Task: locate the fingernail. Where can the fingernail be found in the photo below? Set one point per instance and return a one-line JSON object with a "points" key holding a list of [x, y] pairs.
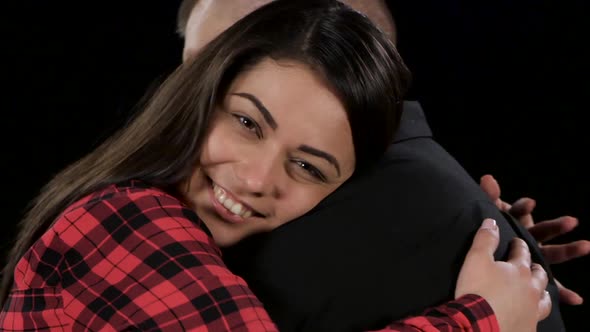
{"points": [[489, 224]]}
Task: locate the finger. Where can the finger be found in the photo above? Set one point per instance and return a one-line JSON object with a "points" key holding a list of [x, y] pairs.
{"points": [[490, 186], [540, 279], [568, 296], [505, 207], [486, 239], [544, 306], [519, 253], [526, 221], [550, 229], [559, 253], [522, 207]]}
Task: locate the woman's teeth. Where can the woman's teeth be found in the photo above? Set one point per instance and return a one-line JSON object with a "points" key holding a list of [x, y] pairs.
{"points": [[232, 206]]}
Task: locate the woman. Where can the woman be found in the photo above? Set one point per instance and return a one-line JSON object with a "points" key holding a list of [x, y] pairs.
{"points": [[269, 119]]}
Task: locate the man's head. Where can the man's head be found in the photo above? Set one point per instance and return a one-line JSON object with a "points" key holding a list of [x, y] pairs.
{"points": [[200, 21]]}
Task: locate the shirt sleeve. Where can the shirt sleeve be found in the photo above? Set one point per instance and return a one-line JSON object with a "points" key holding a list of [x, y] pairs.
{"points": [[467, 313], [148, 263]]}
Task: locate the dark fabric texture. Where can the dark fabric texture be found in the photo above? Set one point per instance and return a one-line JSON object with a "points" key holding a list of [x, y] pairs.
{"points": [[385, 245]]}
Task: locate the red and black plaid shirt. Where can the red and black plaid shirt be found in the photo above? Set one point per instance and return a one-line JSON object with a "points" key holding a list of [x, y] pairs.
{"points": [[132, 257]]}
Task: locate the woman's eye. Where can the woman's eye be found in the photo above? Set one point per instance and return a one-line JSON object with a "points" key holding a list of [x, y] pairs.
{"points": [[312, 170], [249, 124]]}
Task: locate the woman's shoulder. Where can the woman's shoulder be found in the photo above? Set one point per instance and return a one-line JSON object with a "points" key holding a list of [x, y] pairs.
{"points": [[132, 190], [130, 209]]}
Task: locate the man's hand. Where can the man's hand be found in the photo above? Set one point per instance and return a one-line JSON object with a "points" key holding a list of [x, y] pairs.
{"points": [[542, 231]]}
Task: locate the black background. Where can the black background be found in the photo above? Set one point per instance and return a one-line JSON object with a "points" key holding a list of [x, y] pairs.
{"points": [[504, 85]]}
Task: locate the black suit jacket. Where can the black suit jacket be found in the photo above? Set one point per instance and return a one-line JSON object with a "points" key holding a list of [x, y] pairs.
{"points": [[385, 245]]}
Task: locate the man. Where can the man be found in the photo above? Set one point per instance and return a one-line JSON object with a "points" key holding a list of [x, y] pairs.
{"points": [[385, 245]]}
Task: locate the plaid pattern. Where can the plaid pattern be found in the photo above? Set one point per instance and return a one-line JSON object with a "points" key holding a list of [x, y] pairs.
{"points": [[467, 313], [132, 257]]}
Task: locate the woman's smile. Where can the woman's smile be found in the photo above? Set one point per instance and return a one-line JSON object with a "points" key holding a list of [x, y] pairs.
{"points": [[228, 206]]}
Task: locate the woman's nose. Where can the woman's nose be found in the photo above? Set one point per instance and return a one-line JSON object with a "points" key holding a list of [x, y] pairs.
{"points": [[260, 176]]}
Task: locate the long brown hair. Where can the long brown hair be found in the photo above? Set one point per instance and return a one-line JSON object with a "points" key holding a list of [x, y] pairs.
{"points": [[161, 144]]}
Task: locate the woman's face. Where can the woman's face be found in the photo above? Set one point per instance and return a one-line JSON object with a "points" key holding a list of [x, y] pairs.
{"points": [[277, 146]]}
